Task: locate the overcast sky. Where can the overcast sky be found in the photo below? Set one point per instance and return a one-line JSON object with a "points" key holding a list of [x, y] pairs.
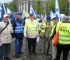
{"points": [[6, 1]]}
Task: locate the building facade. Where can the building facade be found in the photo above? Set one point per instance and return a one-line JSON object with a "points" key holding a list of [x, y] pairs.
{"points": [[25, 4]]}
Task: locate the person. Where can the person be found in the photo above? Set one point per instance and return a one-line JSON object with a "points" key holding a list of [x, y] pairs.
{"points": [[63, 28], [43, 28], [18, 27], [5, 37], [53, 31], [31, 33], [42, 33]]}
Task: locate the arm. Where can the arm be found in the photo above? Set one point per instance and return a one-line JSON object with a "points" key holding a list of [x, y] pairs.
{"points": [[23, 23], [37, 29], [25, 28], [1, 26]]}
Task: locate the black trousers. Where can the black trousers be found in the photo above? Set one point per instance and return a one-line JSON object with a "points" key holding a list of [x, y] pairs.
{"points": [[31, 44], [62, 48], [6, 48]]}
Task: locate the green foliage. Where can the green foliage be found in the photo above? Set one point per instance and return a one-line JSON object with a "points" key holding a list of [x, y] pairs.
{"points": [[63, 5], [13, 5], [37, 6]]}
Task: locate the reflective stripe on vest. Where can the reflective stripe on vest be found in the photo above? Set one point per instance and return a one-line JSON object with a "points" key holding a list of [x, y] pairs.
{"points": [[52, 30], [19, 27], [64, 33]]}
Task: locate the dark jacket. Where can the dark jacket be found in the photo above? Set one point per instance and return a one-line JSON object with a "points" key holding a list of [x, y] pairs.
{"points": [[14, 24]]}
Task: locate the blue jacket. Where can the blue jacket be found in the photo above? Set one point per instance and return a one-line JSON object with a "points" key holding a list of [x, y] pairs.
{"points": [[18, 28]]}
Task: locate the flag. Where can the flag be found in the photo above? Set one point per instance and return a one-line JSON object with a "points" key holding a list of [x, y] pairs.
{"points": [[57, 12], [2, 11], [4, 8], [32, 11], [8, 11], [23, 14], [41, 16], [52, 15], [45, 16]]}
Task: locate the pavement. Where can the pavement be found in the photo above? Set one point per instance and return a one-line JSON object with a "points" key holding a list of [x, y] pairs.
{"points": [[25, 56], [38, 56]]}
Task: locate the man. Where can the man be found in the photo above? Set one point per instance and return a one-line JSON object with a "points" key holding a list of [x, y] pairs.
{"points": [[42, 32], [53, 31], [43, 28], [64, 39], [31, 33], [18, 27], [5, 37]]}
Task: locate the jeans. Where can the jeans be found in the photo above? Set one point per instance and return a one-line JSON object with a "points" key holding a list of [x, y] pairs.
{"points": [[18, 45]]}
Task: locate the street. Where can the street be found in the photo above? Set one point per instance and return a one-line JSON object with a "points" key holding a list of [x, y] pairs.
{"points": [[26, 56], [38, 56]]}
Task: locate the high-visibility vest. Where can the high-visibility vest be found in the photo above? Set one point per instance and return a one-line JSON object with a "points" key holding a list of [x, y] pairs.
{"points": [[51, 23], [31, 27], [43, 25], [64, 33], [52, 30], [43, 28], [19, 27]]}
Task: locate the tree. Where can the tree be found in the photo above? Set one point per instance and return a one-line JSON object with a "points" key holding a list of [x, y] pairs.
{"points": [[63, 5], [13, 5], [38, 6], [50, 5]]}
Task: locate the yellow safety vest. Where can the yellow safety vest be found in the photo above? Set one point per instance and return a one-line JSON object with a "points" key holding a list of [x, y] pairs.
{"points": [[43, 28], [31, 27], [52, 30], [51, 23], [43, 25], [64, 33]]}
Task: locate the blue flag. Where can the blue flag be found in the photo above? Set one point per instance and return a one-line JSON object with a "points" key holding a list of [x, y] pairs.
{"points": [[57, 12], [2, 11], [52, 15], [32, 11]]}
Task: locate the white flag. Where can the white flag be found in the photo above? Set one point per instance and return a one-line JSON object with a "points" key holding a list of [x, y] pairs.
{"points": [[57, 10]]}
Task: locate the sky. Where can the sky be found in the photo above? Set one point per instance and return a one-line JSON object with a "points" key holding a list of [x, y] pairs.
{"points": [[6, 1]]}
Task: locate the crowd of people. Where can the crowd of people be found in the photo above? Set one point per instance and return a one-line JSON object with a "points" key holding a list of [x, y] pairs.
{"points": [[28, 28]]}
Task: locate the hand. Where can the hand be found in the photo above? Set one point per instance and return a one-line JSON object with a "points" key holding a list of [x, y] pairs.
{"points": [[25, 37]]}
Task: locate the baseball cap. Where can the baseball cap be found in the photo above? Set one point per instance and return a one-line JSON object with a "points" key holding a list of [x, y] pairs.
{"points": [[6, 15], [31, 14]]}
